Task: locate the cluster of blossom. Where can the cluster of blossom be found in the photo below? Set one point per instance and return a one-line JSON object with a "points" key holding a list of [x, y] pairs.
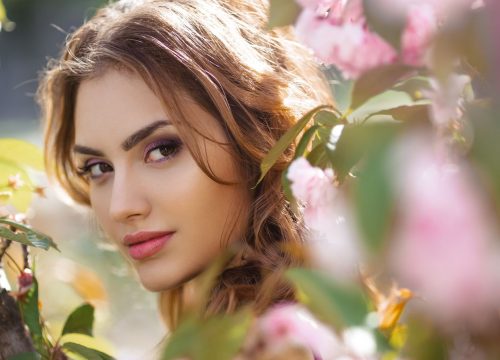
{"points": [[290, 331], [443, 244], [338, 32]]}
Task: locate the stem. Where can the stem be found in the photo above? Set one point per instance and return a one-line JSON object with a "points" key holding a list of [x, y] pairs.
{"points": [[14, 261], [26, 259], [4, 248]]}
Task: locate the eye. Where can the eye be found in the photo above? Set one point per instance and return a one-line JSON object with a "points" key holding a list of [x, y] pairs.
{"points": [[162, 150], [94, 170]]}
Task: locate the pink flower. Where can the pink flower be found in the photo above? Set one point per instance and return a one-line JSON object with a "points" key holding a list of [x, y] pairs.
{"points": [[293, 325], [314, 188], [336, 12], [418, 34], [350, 47], [334, 244], [444, 249], [333, 239]]}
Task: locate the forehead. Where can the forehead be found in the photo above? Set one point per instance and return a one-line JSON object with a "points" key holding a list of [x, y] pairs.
{"points": [[119, 102]]}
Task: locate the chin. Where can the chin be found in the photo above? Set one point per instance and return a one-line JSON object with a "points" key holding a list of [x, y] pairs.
{"points": [[156, 285]]}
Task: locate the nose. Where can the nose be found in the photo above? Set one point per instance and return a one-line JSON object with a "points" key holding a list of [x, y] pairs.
{"points": [[128, 198]]}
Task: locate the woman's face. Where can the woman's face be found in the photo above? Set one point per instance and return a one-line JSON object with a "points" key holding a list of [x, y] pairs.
{"points": [[149, 195]]}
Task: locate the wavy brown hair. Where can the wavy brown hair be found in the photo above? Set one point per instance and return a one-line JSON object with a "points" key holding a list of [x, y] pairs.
{"points": [[255, 82]]}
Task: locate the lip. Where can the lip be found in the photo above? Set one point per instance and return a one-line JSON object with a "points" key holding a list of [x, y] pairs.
{"points": [[144, 244]]}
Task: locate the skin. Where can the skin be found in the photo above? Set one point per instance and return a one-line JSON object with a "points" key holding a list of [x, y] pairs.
{"points": [[156, 185]]}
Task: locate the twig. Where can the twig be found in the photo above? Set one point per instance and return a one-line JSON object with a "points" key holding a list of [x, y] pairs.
{"points": [[5, 246], [14, 261]]}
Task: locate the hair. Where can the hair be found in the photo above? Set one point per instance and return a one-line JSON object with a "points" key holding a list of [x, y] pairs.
{"points": [[255, 82]]}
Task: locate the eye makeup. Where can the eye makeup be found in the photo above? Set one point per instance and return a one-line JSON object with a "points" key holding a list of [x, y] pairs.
{"points": [[156, 152], [162, 150]]}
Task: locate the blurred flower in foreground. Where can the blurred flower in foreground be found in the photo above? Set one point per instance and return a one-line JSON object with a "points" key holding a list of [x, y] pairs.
{"points": [[417, 37], [292, 325], [339, 34], [290, 331], [83, 280], [313, 187], [351, 47], [444, 248], [447, 99], [333, 239]]}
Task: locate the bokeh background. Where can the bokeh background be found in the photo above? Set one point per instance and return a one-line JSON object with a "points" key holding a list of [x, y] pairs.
{"points": [[88, 267]]}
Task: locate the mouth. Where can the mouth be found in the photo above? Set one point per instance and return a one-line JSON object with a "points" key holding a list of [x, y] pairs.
{"points": [[144, 244]]}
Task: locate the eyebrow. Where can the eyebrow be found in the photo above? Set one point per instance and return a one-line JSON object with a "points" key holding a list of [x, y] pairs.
{"points": [[129, 142], [143, 133]]}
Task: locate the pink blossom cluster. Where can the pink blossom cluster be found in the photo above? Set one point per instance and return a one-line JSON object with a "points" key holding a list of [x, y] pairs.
{"points": [[313, 187], [333, 239], [337, 32], [292, 326], [444, 248]]}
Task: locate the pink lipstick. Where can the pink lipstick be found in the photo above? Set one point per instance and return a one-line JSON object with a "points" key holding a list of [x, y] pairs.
{"points": [[144, 244]]}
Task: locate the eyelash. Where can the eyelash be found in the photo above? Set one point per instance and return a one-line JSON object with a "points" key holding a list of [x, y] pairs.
{"points": [[173, 146]]}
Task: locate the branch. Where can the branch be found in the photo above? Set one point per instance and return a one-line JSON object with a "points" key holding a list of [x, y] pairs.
{"points": [[14, 338]]}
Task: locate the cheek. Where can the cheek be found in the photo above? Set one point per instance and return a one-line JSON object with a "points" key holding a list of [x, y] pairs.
{"points": [[207, 210], [99, 203]]}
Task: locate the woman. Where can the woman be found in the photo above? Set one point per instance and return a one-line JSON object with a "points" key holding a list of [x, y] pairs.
{"points": [[158, 115]]}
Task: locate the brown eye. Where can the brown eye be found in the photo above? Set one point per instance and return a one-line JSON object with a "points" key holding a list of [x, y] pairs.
{"points": [[162, 151], [95, 170]]}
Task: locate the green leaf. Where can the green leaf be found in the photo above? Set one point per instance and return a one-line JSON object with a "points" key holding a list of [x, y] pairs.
{"points": [[424, 340], [31, 316], [414, 86], [182, 340], [387, 100], [349, 149], [25, 356], [286, 140], [373, 191], [86, 352], [29, 236], [376, 81], [366, 147], [318, 156], [218, 337], [415, 113], [287, 187], [3, 13], [17, 237], [327, 119], [305, 140], [21, 153], [486, 147], [337, 304], [80, 321], [282, 13]]}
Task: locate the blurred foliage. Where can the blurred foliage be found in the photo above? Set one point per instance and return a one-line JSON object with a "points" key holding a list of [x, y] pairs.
{"points": [[357, 141], [17, 159], [381, 107]]}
